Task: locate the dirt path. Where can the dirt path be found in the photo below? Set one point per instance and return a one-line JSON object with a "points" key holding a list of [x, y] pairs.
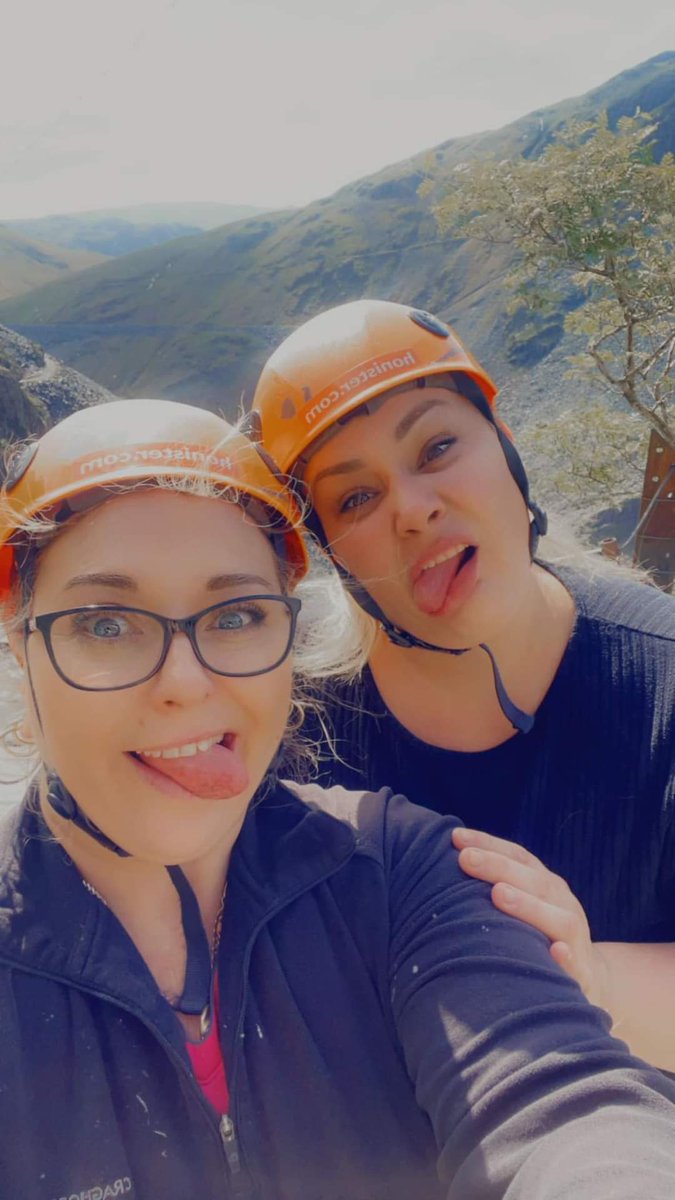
{"points": [[43, 374]]}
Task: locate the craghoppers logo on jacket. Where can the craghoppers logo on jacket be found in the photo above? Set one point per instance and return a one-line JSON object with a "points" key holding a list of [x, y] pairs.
{"points": [[102, 1191]]}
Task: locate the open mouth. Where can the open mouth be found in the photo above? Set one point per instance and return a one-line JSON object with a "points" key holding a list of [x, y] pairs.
{"points": [[440, 576], [211, 768], [185, 749], [466, 557], [460, 555]]}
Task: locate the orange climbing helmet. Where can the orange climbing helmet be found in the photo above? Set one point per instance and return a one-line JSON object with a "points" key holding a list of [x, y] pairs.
{"points": [[342, 359], [124, 442], [346, 356]]}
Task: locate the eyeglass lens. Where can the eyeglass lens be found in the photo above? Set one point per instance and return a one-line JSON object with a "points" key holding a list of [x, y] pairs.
{"points": [[108, 648]]}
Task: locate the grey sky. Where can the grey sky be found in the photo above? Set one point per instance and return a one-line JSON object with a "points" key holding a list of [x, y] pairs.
{"points": [[276, 102]]}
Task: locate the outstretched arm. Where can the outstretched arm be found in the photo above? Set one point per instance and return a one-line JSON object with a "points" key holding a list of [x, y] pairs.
{"points": [[634, 982], [527, 1094]]}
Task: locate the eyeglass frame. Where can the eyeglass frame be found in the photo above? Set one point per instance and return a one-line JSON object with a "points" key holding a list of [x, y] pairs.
{"points": [[170, 625]]}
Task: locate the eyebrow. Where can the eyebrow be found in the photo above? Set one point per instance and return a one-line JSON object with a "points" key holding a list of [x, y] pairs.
{"points": [[404, 426], [102, 579], [406, 423], [218, 582], [125, 583]]}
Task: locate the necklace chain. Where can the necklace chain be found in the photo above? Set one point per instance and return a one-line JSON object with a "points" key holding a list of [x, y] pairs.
{"points": [[90, 888], [205, 1015]]}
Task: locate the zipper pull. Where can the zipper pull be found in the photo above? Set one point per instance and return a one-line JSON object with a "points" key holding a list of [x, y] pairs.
{"points": [[229, 1139]]}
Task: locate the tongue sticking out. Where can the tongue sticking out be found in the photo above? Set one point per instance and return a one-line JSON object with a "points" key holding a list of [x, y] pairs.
{"points": [[432, 586], [214, 774]]}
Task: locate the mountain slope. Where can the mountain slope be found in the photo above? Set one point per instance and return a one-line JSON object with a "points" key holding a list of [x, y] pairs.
{"points": [[36, 389], [26, 263], [195, 318], [117, 231]]}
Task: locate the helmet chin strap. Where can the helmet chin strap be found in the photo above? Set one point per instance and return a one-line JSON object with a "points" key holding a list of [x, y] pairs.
{"points": [[461, 382], [196, 994], [519, 719], [195, 997]]}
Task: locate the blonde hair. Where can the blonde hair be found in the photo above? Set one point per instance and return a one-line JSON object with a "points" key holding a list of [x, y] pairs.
{"points": [[328, 640], [335, 636]]}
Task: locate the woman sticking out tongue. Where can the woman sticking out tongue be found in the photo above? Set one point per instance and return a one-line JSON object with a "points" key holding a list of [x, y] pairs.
{"points": [[536, 703], [213, 983]]}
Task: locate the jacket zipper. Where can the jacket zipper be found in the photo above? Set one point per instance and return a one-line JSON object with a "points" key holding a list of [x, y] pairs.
{"points": [[224, 1131], [228, 1138]]}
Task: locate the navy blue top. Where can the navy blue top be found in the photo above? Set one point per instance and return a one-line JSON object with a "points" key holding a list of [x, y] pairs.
{"points": [[591, 790], [387, 1034]]}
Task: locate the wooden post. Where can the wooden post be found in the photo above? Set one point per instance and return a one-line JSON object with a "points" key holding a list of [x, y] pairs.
{"points": [[655, 534]]}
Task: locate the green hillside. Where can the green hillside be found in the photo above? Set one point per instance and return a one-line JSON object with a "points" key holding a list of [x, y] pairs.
{"points": [[26, 263], [116, 231], [195, 318]]}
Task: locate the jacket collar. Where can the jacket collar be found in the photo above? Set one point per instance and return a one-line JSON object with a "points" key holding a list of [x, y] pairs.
{"points": [[52, 925]]}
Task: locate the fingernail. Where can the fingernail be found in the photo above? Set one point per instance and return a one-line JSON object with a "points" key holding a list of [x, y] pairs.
{"points": [[508, 896]]}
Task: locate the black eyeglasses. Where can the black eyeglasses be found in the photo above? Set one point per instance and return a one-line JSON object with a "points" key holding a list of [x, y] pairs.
{"points": [[108, 647]]}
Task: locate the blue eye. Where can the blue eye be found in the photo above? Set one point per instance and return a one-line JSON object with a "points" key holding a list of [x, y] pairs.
{"points": [[356, 500], [437, 448], [104, 627], [107, 629], [233, 619]]}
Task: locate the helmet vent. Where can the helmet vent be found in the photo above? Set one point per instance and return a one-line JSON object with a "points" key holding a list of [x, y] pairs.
{"points": [[19, 464], [428, 321]]}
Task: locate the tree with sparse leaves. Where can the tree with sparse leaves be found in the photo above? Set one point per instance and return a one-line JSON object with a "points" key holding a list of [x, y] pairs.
{"points": [[590, 456], [592, 225]]}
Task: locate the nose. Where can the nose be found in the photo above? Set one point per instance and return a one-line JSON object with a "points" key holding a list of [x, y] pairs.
{"points": [[182, 680], [416, 504]]}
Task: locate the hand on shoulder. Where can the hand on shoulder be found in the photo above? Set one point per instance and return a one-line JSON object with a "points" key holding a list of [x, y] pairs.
{"points": [[526, 889]]}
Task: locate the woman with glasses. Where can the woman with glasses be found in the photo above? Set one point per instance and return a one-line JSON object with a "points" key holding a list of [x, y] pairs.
{"points": [[214, 984], [535, 702]]}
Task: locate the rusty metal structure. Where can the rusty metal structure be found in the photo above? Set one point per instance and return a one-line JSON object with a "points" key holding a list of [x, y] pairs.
{"points": [[655, 532]]}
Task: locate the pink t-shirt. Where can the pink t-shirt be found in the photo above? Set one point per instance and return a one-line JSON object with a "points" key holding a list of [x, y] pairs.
{"points": [[208, 1066]]}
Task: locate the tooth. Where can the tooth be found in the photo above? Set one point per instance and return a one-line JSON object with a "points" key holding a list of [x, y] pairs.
{"points": [[186, 751], [441, 558]]}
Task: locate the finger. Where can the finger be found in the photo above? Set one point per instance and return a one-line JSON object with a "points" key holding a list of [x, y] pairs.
{"points": [[462, 838], [557, 924], [496, 868], [562, 954]]}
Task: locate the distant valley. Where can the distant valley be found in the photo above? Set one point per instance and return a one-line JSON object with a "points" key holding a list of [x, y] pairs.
{"points": [[116, 231], [194, 318], [26, 263]]}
